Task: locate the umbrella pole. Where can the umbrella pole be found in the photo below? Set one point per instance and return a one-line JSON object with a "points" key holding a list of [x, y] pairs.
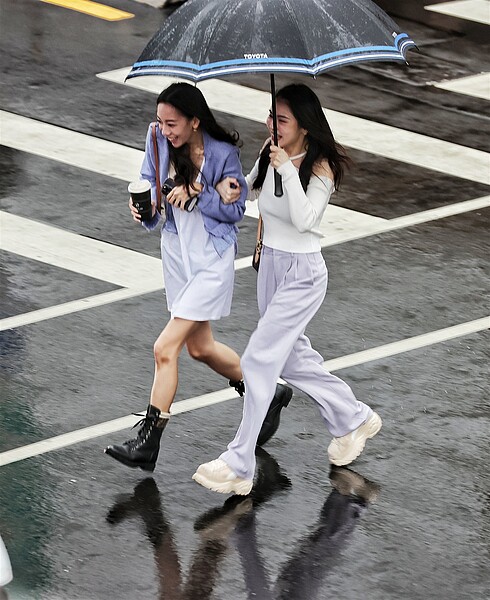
{"points": [[277, 178]]}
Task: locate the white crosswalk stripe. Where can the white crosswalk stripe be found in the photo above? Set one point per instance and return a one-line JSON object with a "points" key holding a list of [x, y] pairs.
{"points": [[477, 86], [471, 10]]}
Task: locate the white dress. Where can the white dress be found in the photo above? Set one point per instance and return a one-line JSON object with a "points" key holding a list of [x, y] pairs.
{"points": [[198, 282]]}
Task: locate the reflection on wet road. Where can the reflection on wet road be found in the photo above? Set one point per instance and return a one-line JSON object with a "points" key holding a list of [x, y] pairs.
{"points": [[234, 525]]}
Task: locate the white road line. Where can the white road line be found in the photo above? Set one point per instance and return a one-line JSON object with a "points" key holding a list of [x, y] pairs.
{"points": [[477, 86], [425, 216], [471, 10], [343, 362], [70, 147], [152, 267], [434, 214], [409, 344], [67, 250], [68, 308], [361, 134]]}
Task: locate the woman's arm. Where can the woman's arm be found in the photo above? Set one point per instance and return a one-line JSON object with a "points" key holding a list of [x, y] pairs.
{"points": [[231, 194], [229, 188], [211, 204], [306, 208]]}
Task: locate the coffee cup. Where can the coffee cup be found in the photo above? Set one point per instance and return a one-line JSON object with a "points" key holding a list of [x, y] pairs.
{"points": [[141, 197]]}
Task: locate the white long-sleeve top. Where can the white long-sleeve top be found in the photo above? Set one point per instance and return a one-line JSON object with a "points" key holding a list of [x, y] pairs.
{"points": [[291, 221]]}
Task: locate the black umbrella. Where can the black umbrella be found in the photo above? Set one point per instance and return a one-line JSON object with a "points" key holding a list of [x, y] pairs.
{"points": [[213, 38]]}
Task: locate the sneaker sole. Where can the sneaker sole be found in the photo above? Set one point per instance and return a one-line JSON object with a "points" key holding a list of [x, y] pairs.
{"points": [[242, 488], [369, 430]]}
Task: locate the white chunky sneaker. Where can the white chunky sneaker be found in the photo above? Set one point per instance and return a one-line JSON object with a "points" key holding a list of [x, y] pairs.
{"points": [[218, 477], [343, 450]]}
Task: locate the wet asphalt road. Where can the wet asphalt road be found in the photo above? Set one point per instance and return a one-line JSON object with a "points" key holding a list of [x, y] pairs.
{"points": [[79, 526]]}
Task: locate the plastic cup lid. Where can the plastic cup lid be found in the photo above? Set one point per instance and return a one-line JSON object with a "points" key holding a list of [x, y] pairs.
{"points": [[136, 187]]}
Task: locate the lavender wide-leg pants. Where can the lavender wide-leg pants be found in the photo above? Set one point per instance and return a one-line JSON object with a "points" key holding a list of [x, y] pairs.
{"points": [[290, 290]]}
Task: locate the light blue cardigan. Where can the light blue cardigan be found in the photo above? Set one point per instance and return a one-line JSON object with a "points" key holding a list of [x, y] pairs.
{"points": [[222, 160]]}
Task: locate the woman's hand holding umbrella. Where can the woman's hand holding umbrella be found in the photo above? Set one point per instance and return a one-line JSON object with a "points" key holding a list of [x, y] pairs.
{"points": [[278, 156]]}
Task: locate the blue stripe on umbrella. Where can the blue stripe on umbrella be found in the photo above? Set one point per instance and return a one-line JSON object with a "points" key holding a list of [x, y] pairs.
{"points": [[176, 72], [286, 61], [263, 61], [197, 73]]}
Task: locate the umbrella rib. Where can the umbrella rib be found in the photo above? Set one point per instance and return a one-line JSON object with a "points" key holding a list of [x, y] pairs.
{"points": [[291, 9]]}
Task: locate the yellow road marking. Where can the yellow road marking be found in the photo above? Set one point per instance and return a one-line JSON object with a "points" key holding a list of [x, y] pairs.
{"points": [[93, 8]]}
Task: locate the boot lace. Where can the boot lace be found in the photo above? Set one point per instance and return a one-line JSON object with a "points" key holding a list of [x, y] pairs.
{"points": [[145, 424]]}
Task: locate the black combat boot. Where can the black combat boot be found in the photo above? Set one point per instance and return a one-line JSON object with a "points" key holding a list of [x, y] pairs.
{"points": [[142, 452], [271, 422]]}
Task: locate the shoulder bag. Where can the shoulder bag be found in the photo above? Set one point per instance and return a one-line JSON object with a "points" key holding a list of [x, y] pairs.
{"points": [[157, 166]]}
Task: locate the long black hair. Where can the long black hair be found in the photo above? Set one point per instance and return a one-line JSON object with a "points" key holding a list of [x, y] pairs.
{"points": [[189, 100], [320, 143]]}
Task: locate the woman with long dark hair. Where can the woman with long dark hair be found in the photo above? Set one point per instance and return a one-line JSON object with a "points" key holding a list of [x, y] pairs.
{"points": [[291, 286], [198, 251]]}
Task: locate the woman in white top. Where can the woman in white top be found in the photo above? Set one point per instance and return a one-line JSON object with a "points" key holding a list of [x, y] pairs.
{"points": [[291, 286]]}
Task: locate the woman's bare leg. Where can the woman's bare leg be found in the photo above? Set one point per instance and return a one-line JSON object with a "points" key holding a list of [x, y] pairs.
{"points": [[203, 347], [166, 350], [143, 451]]}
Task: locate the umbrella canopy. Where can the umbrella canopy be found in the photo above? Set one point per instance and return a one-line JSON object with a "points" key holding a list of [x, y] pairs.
{"points": [[214, 38]]}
